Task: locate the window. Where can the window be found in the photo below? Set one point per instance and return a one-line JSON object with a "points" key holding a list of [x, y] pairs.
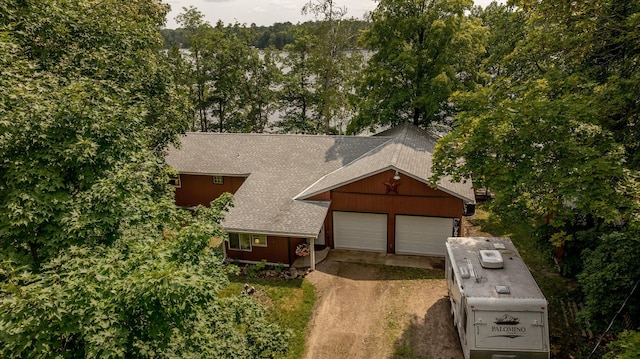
{"points": [[245, 241], [218, 180], [240, 242], [259, 240], [175, 181]]}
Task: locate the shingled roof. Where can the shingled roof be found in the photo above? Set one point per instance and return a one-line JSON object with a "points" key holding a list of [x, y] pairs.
{"points": [[283, 170], [408, 151]]}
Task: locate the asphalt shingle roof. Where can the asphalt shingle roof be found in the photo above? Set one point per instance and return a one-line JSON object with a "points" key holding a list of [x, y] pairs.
{"points": [[282, 170], [409, 151]]}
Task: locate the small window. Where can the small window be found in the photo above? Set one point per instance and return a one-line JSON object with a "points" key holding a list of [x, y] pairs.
{"points": [[175, 181], [218, 180], [259, 240], [240, 242]]}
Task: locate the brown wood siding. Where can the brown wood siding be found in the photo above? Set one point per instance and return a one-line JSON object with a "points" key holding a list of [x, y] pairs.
{"points": [[413, 198], [278, 250], [320, 197], [200, 189]]}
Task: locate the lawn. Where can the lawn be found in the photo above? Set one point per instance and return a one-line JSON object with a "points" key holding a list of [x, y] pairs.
{"points": [[567, 340], [289, 303]]}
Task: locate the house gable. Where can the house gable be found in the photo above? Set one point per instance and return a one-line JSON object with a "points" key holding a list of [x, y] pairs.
{"points": [[201, 189], [373, 195]]}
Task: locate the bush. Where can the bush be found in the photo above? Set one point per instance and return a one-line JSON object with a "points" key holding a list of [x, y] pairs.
{"points": [[610, 272], [626, 347]]}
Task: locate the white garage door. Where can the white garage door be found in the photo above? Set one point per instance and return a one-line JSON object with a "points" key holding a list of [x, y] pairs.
{"points": [[362, 231], [422, 235]]}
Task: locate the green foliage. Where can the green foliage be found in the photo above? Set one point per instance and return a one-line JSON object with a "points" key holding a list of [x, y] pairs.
{"points": [[322, 63], [296, 96], [534, 134], [149, 294], [545, 155], [232, 84], [610, 272], [423, 51], [96, 260], [626, 347], [288, 303], [257, 97], [275, 36], [81, 122], [553, 133]]}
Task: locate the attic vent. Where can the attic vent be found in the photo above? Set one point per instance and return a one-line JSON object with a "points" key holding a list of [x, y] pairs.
{"points": [[491, 258]]}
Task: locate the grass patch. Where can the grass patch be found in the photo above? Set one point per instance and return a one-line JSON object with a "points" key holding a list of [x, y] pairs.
{"points": [[406, 351], [289, 304], [566, 340], [406, 273]]}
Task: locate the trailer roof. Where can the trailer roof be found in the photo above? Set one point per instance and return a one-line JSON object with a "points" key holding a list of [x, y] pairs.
{"points": [[464, 252]]}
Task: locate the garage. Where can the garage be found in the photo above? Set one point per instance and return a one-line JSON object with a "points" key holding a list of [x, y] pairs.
{"points": [[361, 231], [422, 235]]}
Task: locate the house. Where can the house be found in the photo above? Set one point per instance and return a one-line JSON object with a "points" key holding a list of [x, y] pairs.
{"points": [[349, 192]]}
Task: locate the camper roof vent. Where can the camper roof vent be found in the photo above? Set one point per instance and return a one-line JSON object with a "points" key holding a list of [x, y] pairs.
{"points": [[491, 258], [464, 272], [503, 289], [498, 245]]}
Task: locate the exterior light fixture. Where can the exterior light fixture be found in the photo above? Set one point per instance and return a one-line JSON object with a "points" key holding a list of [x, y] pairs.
{"points": [[396, 177]]}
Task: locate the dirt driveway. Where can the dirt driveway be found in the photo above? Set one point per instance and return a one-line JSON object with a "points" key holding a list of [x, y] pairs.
{"points": [[374, 311]]}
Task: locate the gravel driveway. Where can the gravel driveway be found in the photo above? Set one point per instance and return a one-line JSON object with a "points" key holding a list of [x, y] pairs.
{"points": [[375, 311]]}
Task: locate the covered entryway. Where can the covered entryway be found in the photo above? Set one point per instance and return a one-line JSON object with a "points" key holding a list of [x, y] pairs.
{"points": [[422, 235], [361, 231]]}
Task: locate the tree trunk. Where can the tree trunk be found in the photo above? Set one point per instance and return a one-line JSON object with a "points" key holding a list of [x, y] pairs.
{"points": [[221, 116], [33, 249], [416, 116]]}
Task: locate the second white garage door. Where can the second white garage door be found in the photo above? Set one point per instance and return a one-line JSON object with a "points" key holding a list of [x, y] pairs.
{"points": [[362, 231], [422, 235]]}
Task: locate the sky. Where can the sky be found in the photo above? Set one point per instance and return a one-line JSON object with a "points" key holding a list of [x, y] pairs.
{"points": [[264, 12]]}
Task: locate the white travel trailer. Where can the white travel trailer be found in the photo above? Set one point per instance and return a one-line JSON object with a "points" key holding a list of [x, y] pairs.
{"points": [[497, 306]]}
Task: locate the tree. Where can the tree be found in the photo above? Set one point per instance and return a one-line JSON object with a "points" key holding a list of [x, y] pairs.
{"points": [[233, 84], [334, 66], [258, 95], [81, 121], [610, 272], [196, 68], [505, 28], [626, 347], [535, 133], [541, 133], [96, 261], [152, 293], [423, 51], [297, 98]]}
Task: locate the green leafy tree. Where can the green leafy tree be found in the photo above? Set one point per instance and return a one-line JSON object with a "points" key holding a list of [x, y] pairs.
{"points": [[535, 133], [237, 104], [82, 122], [423, 51], [505, 28], [153, 293], [545, 133], [195, 66], [258, 96], [334, 64], [233, 85], [610, 272], [297, 98], [626, 347], [96, 261]]}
